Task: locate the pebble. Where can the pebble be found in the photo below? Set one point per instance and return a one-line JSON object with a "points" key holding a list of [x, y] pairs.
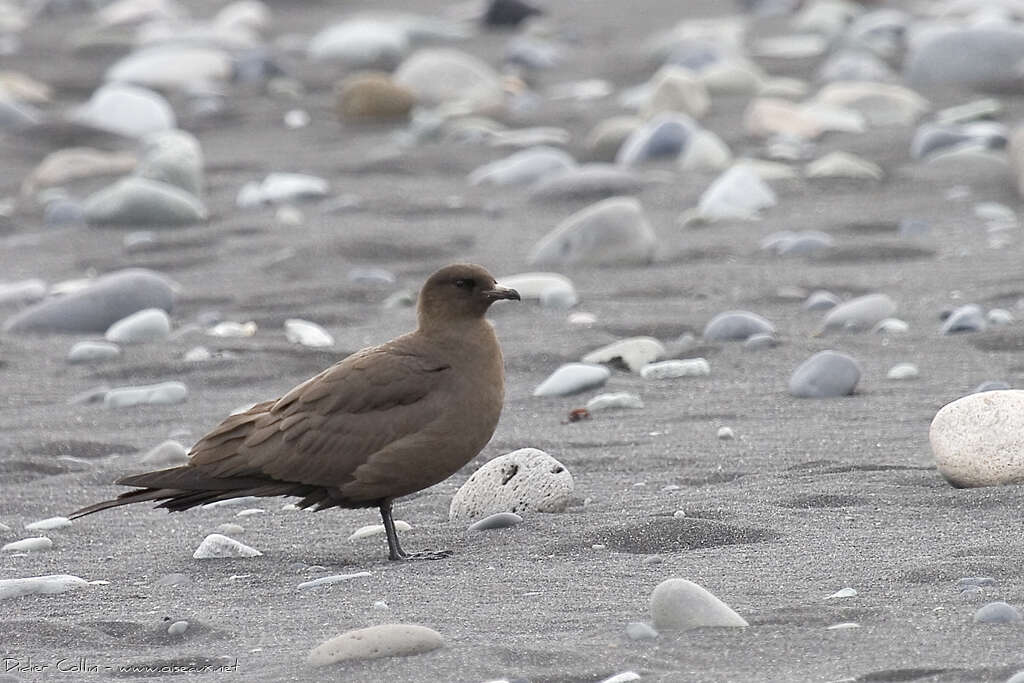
{"points": [[98, 305], [361, 43], [307, 333], [541, 285], [371, 276], [843, 165], [92, 352], [22, 292], [587, 181], [991, 385], [614, 401], [374, 642], [635, 352], [825, 374], [891, 326], [165, 393], [572, 378], [526, 480], [663, 137], [282, 188], [329, 580], [736, 326], [861, 313], [705, 151], [672, 369], [969, 318], [843, 593], [28, 545], [605, 140], [975, 439], [166, 454], [134, 201], [611, 231], [903, 371], [167, 580], [127, 110], [821, 300], [450, 77], [249, 512], [760, 341], [804, 243], [624, 677], [216, 546], [147, 325], [522, 168], [725, 434], [638, 630], [499, 520], [177, 628], [40, 585], [738, 194], [980, 57], [678, 605], [173, 157], [230, 529], [999, 317], [997, 613], [377, 530], [172, 67], [49, 524], [373, 97]]}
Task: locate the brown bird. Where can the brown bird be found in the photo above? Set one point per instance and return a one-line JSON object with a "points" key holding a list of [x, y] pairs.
{"points": [[385, 422]]}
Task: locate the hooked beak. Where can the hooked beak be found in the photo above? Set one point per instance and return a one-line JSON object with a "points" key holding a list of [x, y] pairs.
{"points": [[499, 292]]}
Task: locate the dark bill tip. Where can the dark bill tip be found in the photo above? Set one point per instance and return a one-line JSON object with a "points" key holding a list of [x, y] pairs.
{"points": [[499, 292]]}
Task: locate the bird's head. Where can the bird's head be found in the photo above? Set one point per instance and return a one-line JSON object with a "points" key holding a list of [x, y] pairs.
{"points": [[459, 292]]}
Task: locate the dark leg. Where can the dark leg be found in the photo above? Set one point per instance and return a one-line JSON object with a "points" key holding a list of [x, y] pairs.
{"points": [[395, 551]]}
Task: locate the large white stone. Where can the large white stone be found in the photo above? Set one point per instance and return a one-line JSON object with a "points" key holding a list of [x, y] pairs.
{"points": [[218, 546], [978, 440], [173, 67], [738, 194], [136, 202], [47, 585], [173, 157], [611, 231], [678, 605], [526, 480], [635, 352], [385, 640], [361, 42], [572, 378], [522, 168], [127, 110], [147, 325]]}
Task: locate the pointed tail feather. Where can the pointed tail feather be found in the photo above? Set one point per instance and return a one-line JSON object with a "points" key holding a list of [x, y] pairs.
{"points": [[124, 499]]}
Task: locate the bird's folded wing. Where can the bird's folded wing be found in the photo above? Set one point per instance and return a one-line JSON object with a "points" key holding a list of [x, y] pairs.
{"points": [[325, 428]]}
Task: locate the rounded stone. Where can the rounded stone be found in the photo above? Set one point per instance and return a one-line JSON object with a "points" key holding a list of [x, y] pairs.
{"points": [[374, 642], [997, 613], [166, 454], [373, 97], [736, 326], [147, 325], [587, 181], [821, 300], [903, 371], [165, 393], [635, 352], [978, 440], [572, 378], [738, 194], [173, 67], [679, 605], [969, 318], [614, 401], [861, 313], [612, 231], [526, 480], [218, 546], [760, 342], [445, 75], [361, 43], [981, 57], [127, 110], [499, 520], [673, 369], [638, 630], [135, 201], [523, 168], [607, 137], [97, 306], [173, 157], [675, 88], [663, 137], [93, 352], [826, 374]]}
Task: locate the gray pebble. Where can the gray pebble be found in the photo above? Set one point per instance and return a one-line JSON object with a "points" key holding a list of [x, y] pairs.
{"points": [[969, 318], [499, 520], [135, 201], [983, 57], [997, 613], [861, 313], [760, 342], [523, 168], [736, 326], [805, 243], [663, 137], [165, 393], [638, 630], [97, 306], [92, 352], [610, 231], [821, 301], [588, 181], [825, 374]]}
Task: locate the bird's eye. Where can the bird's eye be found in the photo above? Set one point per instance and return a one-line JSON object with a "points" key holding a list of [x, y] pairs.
{"points": [[465, 283]]}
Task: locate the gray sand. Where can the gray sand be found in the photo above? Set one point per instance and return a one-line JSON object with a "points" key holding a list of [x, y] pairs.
{"points": [[811, 496]]}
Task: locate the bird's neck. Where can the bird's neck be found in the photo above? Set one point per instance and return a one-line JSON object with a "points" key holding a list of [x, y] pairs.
{"points": [[456, 335]]}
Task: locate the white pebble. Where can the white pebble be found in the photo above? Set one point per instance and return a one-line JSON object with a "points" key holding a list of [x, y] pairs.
{"points": [[336, 578], [248, 512], [307, 333], [843, 593], [177, 628], [49, 523], [623, 677], [231, 328], [36, 543], [46, 585], [296, 118], [903, 371], [148, 325], [671, 369], [217, 546], [620, 399], [377, 530], [166, 393], [725, 433]]}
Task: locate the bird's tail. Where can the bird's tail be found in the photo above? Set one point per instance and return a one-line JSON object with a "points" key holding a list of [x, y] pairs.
{"points": [[181, 488]]}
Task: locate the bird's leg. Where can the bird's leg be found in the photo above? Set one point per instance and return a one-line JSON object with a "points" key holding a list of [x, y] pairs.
{"points": [[395, 551]]}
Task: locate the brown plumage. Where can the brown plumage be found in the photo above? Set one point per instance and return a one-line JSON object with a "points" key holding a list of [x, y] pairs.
{"points": [[383, 423]]}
